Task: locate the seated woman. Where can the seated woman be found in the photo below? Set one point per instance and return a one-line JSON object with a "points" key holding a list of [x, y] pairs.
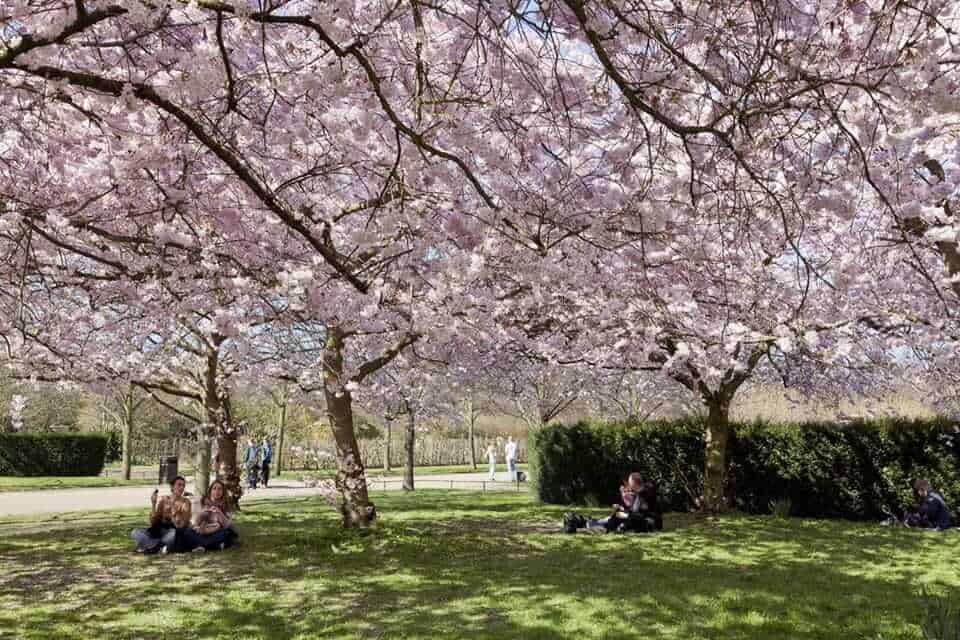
{"points": [[168, 515], [931, 511], [213, 529], [638, 510]]}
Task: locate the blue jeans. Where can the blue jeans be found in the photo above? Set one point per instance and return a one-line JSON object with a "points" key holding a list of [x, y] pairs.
{"points": [[190, 539], [153, 538]]}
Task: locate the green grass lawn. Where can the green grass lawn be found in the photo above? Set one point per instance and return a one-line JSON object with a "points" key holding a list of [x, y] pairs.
{"points": [[8, 483], [474, 565]]}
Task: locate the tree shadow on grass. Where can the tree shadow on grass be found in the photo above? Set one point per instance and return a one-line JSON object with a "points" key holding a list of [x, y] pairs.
{"points": [[425, 573]]}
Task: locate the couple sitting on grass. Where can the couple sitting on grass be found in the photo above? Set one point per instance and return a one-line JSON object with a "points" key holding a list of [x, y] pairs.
{"points": [[638, 510], [175, 528]]}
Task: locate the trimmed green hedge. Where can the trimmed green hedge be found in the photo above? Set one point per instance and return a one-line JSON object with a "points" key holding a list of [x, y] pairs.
{"points": [[52, 454], [823, 469]]}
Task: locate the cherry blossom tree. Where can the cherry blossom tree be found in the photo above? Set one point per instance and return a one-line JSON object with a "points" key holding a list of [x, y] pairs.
{"points": [[637, 395], [645, 185], [741, 158], [533, 391], [184, 364], [300, 163]]}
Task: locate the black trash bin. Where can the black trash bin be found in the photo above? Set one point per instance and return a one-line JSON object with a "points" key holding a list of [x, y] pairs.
{"points": [[168, 469]]}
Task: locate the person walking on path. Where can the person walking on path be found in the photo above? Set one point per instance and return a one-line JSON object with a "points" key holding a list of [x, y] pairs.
{"points": [[265, 460], [250, 460], [492, 459], [511, 452]]}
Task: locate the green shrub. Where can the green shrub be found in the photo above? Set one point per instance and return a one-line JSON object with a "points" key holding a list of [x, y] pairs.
{"points": [[819, 469], [52, 454], [584, 463], [781, 509]]}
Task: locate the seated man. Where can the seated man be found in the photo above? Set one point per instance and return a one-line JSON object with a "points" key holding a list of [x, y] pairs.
{"points": [[931, 511], [638, 510]]}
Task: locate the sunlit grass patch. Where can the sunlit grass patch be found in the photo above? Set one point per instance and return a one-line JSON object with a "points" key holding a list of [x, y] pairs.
{"points": [[471, 564]]}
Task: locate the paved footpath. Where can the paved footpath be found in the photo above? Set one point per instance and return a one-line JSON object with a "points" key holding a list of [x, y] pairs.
{"points": [[15, 503]]}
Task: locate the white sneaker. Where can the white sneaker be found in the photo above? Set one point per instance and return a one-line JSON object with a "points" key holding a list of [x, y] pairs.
{"points": [[199, 550]]}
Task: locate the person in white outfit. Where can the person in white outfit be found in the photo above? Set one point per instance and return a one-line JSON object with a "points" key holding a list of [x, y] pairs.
{"points": [[511, 452], [492, 459]]}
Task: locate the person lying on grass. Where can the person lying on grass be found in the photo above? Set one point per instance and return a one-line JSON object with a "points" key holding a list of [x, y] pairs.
{"points": [[931, 511], [638, 510]]}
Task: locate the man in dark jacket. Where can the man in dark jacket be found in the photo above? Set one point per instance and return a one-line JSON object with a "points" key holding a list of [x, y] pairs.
{"points": [[251, 460], [644, 514], [932, 511], [638, 510], [265, 460]]}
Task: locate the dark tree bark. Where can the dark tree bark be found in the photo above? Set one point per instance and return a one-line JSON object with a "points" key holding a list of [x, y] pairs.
{"points": [[219, 423], [471, 424], [282, 403], [387, 425], [128, 414], [356, 508], [715, 471], [409, 435]]}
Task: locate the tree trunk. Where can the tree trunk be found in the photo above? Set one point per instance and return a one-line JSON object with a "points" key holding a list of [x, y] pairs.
{"points": [[355, 504], [280, 429], [718, 432], [125, 450], [219, 423], [471, 422], [387, 423], [408, 442], [201, 475], [228, 469], [126, 431]]}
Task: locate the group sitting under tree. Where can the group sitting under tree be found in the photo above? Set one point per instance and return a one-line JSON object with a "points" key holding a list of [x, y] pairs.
{"points": [[176, 528], [638, 510]]}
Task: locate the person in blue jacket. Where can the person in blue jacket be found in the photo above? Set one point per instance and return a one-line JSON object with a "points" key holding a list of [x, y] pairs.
{"points": [[251, 460], [932, 511], [265, 459]]}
